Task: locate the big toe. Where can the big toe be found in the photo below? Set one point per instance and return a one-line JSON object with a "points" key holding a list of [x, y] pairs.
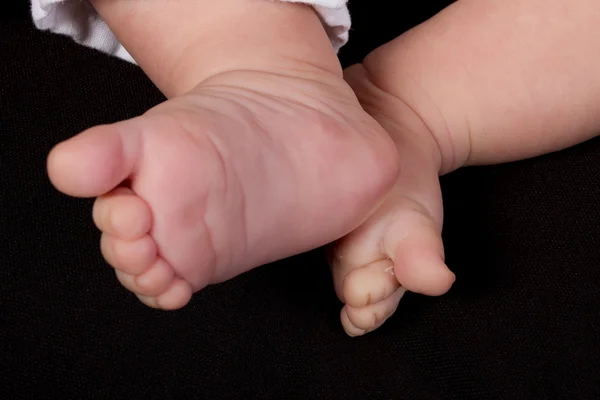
{"points": [[95, 161], [415, 244]]}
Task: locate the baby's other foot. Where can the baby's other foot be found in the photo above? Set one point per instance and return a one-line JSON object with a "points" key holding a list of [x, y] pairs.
{"points": [[399, 248], [247, 168]]}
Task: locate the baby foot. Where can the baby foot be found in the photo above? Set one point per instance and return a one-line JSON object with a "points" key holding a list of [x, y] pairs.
{"points": [[399, 248], [247, 168]]}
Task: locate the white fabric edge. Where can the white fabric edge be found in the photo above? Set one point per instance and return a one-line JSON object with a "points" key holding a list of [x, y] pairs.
{"points": [[78, 20]]}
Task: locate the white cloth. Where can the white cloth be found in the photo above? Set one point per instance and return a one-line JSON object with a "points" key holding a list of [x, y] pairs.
{"points": [[79, 20]]}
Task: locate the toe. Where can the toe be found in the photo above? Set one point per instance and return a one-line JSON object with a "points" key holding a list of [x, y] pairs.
{"points": [[370, 284], [95, 161], [414, 242], [176, 296], [132, 257], [349, 327], [353, 259], [156, 280], [122, 214], [358, 321], [127, 280], [153, 282]]}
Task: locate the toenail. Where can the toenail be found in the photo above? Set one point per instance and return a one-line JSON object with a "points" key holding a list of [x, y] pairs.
{"points": [[390, 270]]}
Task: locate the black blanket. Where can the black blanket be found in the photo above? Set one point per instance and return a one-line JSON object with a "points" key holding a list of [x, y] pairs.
{"points": [[522, 322]]}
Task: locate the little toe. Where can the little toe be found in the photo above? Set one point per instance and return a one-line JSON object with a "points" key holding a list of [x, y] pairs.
{"points": [[123, 214], [176, 296], [130, 256], [148, 300], [127, 280], [359, 321], [370, 284]]}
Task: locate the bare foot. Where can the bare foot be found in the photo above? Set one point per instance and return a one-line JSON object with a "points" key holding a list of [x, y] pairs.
{"points": [[247, 168], [398, 248]]}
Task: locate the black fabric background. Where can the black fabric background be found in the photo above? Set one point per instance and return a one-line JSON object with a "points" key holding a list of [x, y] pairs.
{"points": [[522, 321]]}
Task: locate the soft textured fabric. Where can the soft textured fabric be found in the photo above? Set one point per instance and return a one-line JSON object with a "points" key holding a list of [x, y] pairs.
{"points": [[79, 20], [521, 323]]}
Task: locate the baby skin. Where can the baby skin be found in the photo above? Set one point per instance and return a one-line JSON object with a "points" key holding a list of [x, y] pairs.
{"points": [[263, 151], [482, 82]]}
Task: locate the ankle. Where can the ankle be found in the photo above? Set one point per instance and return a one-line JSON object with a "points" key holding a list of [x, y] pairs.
{"points": [[181, 45], [412, 104], [400, 116], [282, 38]]}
